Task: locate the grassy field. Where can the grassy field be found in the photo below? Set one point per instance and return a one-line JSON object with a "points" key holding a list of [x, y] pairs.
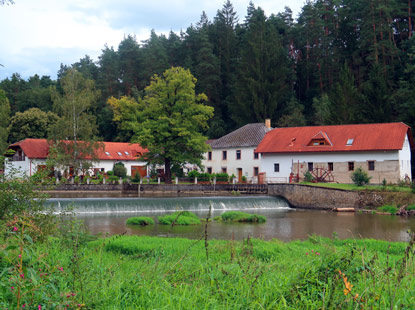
{"points": [[130, 272]]}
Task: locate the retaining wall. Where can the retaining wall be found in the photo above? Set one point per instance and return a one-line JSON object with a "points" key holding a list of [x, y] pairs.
{"points": [[311, 197]]}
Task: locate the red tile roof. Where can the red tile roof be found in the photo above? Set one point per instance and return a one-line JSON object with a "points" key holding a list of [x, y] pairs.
{"points": [[39, 148], [366, 137]]}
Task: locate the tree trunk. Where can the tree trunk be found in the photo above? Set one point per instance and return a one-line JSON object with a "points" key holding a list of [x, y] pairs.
{"points": [[167, 171]]}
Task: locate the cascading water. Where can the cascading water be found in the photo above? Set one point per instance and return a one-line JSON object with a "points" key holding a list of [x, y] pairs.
{"points": [[134, 205]]}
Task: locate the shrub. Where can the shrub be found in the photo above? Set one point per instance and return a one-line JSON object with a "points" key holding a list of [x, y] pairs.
{"points": [[360, 177], [204, 177], [179, 218], [222, 177], [142, 220], [119, 170], [308, 177], [136, 178], [388, 209], [410, 207], [238, 216]]}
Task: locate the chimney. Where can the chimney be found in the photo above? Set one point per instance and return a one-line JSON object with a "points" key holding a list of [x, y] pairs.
{"points": [[268, 123]]}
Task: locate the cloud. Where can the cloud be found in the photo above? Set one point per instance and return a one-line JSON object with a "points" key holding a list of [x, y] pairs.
{"points": [[39, 35]]}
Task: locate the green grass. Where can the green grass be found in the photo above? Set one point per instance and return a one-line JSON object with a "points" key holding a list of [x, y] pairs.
{"points": [[239, 216], [142, 220], [180, 218], [131, 272], [353, 187], [388, 209]]}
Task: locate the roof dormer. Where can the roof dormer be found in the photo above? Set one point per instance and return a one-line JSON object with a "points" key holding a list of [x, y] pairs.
{"points": [[320, 139]]}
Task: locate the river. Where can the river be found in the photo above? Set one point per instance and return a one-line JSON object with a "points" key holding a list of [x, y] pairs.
{"points": [[107, 216]]}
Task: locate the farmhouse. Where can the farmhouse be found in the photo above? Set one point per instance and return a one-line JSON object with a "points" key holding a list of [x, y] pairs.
{"points": [[332, 153], [30, 155], [234, 152]]}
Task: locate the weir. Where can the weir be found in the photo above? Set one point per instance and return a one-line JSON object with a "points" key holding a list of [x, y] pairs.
{"points": [[134, 205]]}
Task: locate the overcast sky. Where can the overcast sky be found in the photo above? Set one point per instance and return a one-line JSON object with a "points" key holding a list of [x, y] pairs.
{"points": [[37, 36]]}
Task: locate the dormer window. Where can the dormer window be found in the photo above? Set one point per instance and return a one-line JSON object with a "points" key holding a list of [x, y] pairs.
{"points": [[349, 142], [320, 139]]}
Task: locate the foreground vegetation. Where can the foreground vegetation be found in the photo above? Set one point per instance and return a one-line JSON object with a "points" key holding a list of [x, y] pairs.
{"points": [[42, 267], [130, 272]]}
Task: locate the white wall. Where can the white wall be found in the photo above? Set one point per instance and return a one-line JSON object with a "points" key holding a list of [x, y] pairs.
{"points": [[22, 168], [405, 160], [247, 161], [286, 160], [109, 164]]}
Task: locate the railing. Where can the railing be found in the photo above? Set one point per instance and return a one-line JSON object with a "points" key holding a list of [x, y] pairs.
{"points": [[272, 180]]}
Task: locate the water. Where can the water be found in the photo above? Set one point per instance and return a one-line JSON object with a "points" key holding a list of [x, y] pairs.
{"points": [[107, 216]]}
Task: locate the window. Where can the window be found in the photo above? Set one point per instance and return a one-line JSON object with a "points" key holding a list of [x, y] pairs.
{"points": [[310, 166], [107, 153], [256, 171], [256, 155], [209, 170], [238, 154], [126, 153], [224, 155], [209, 155], [119, 153], [276, 167], [349, 142], [371, 165], [224, 170], [330, 166], [351, 165]]}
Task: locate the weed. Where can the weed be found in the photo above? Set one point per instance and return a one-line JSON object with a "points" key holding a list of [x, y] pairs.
{"points": [[142, 220], [388, 209]]}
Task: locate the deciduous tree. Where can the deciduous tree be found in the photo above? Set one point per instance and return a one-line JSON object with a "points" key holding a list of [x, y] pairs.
{"points": [[168, 121]]}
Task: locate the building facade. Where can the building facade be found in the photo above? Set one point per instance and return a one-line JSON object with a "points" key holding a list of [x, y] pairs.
{"points": [[332, 153], [235, 154], [30, 155]]}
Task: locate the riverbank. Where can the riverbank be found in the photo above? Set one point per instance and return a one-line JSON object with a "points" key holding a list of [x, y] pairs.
{"points": [[174, 273], [297, 195]]}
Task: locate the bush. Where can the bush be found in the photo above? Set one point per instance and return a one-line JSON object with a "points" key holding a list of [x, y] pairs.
{"points": [[360, 177], [179, 218], [136, 178], [388, 209], [222, 177], [410, 207], [308, 177], [142, 220], [193, 174], [119, 170], [238, 216]]}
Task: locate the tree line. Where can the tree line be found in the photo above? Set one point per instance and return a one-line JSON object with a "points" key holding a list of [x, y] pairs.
{"points": [[338, 62]]}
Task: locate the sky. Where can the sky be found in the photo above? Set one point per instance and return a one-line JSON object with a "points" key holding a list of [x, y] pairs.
{"points": [[37, 36]]}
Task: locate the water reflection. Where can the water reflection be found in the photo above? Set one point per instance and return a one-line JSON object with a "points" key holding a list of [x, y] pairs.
{"points": [[285, 225]]}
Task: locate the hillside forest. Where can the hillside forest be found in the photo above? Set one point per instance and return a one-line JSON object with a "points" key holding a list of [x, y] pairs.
{"points": [[337, 62]]}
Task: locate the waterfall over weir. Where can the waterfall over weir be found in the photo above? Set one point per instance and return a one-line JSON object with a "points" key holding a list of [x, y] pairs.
{"points": [[134, 205]]}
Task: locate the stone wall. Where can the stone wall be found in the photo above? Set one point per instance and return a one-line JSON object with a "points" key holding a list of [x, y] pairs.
{"points": [[388, 170], [311, 197], [87, 187]]}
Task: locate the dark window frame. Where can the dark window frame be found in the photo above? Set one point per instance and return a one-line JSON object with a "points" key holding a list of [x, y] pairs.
{"points": [[350, 165], [238, 154], [256, 155], [224, 155], [256, 171], [310, 166], [209, 155], [209, 170], [224, 170], [276, 167], [330, 166], [371, 165]]}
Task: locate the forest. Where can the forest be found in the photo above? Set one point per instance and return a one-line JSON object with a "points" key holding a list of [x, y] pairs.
{"points": [[337, 62]]}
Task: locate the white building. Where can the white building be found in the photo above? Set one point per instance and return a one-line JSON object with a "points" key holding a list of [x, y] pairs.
{"points": [[332, 153], [30, 155], [235, 152]]}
